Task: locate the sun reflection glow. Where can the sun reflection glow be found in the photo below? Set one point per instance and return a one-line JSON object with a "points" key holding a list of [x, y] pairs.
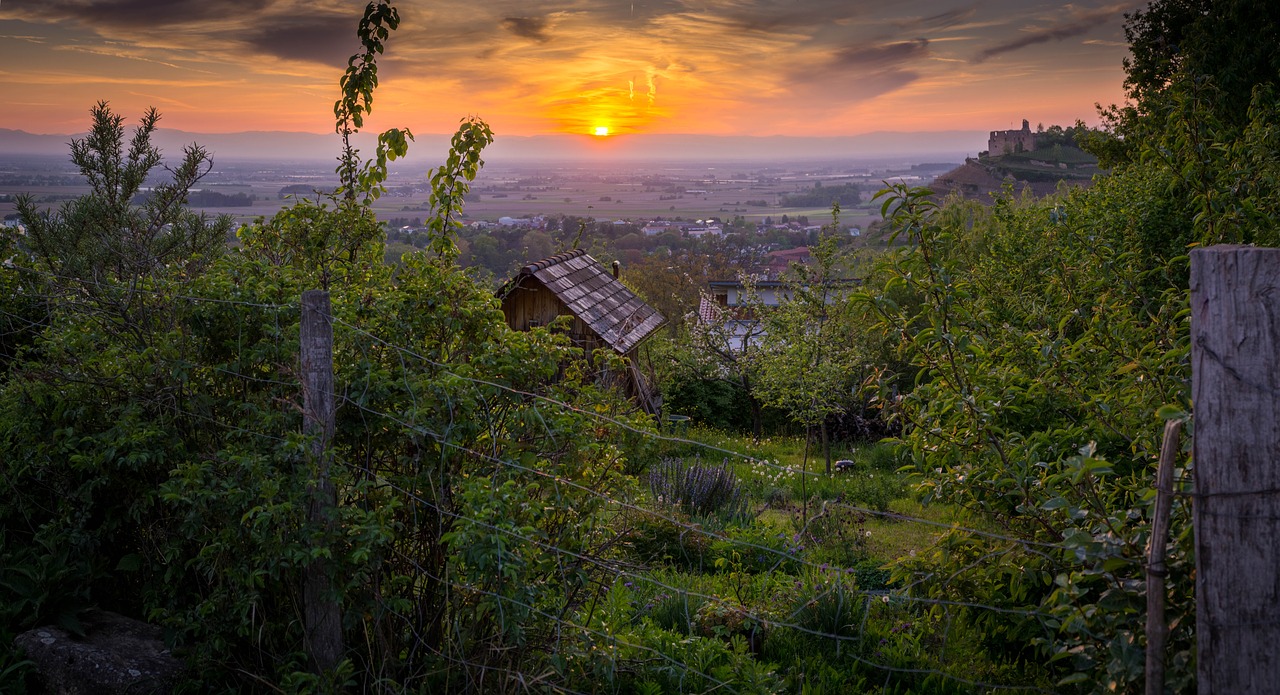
{"points": [[602, 131]]}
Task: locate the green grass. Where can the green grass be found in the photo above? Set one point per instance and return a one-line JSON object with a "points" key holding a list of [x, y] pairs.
{"points": [[770, 468], [893, 538], [808, 586]]}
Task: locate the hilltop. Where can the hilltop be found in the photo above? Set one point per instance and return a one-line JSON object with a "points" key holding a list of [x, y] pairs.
{"points": [[1040, 160]]}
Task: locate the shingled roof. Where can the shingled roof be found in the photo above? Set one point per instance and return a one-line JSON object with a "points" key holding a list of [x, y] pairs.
{"points": [[615, 313]]}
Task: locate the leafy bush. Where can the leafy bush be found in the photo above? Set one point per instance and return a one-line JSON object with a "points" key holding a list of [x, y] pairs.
{"points": [[155, 461], [757, 548], [667, 539], [882, 456], [832, 533], [775, 497], [830, 604], [674, 610], [614, 652], [709, 401], [872, 575], [1044, 345]]}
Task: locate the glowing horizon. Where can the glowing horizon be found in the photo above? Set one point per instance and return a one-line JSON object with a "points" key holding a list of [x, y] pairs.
{"points": [[810, 67]]}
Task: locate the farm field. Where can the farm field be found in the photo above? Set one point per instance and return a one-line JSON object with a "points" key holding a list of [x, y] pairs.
{"points": [[518, 192]]}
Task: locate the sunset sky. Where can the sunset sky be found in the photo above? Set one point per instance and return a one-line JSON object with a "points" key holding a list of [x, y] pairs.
{"points": [[729, 67]]}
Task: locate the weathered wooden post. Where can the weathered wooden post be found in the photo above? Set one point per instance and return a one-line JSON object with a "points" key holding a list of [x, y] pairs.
{"points": [[1157, 629], [1235, 389], [322, 616]]}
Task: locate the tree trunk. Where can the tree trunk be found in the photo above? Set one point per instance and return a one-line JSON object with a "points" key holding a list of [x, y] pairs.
{"points": [[804, 478], [757, 420], [826, 446]]}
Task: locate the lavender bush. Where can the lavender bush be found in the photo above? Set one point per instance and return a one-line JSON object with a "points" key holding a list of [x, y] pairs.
{"points": [[699, 490]]}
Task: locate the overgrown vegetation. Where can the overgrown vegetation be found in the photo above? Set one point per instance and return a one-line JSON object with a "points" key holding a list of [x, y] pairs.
{"points": [[505, 525]]}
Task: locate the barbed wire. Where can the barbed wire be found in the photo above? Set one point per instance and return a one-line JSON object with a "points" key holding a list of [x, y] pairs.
{"points": [[534, 609], [552, 401], [762, 619], [360, 400], [866, 596], [689, 527]]}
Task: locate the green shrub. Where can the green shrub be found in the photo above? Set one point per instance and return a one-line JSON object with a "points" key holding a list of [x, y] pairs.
{"points": [[674, 610], [872, 575], [832, 534], [710, 402], [883, 457], [759, 548], [829, 603], [777, 497], [669, 538]]}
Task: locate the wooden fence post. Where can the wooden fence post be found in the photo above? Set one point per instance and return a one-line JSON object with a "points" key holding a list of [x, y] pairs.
{"points": [[1157, 629], [322, 616], [1235, 389]]}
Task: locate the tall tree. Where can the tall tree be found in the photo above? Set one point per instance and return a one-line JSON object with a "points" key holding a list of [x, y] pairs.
{"points": [[1234, 42], [806, 360], [1223, 49], [103, 247]]}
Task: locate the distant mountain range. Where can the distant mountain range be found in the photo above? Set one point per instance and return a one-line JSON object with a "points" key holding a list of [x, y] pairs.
{"points": [[952, 145]]}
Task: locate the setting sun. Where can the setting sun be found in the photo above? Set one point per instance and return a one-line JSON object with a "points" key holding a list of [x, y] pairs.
{"points": [[601, 131]]}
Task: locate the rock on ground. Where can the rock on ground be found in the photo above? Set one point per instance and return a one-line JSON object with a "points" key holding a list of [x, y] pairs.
{"points": [[117, 655]]}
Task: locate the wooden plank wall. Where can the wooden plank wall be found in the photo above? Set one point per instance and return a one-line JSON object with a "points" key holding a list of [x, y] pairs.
{"points": [[532, 304]]}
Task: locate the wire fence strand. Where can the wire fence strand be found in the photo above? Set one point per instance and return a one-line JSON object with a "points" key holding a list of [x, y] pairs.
{"points": [[543, 407]]}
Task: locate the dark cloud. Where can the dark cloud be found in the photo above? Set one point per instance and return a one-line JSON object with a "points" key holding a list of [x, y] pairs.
{"points": [[637, 11], [885, 56], [834, 91], [947, 19], [880, 84], [534, 28], [269, 28], [783, 15], [147, 13], [861, 72], [328, 40], [1080, 26]]}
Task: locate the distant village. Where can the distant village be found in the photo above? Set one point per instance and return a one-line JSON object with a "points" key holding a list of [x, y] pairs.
{"points": [[517, 211], [696, 229]]}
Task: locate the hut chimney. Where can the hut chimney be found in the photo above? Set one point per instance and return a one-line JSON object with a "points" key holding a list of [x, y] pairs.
{"points": [[617, 269]]}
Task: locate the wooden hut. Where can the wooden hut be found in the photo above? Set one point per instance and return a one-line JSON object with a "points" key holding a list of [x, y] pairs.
{"points": [[605, 313]]}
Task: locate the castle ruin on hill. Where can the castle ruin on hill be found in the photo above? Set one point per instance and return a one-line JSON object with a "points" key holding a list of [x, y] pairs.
{"points": [[1011, 141]]}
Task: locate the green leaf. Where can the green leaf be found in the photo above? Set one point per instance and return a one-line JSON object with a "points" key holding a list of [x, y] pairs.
{"points": [[1170, 411], [1077, 677]]}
